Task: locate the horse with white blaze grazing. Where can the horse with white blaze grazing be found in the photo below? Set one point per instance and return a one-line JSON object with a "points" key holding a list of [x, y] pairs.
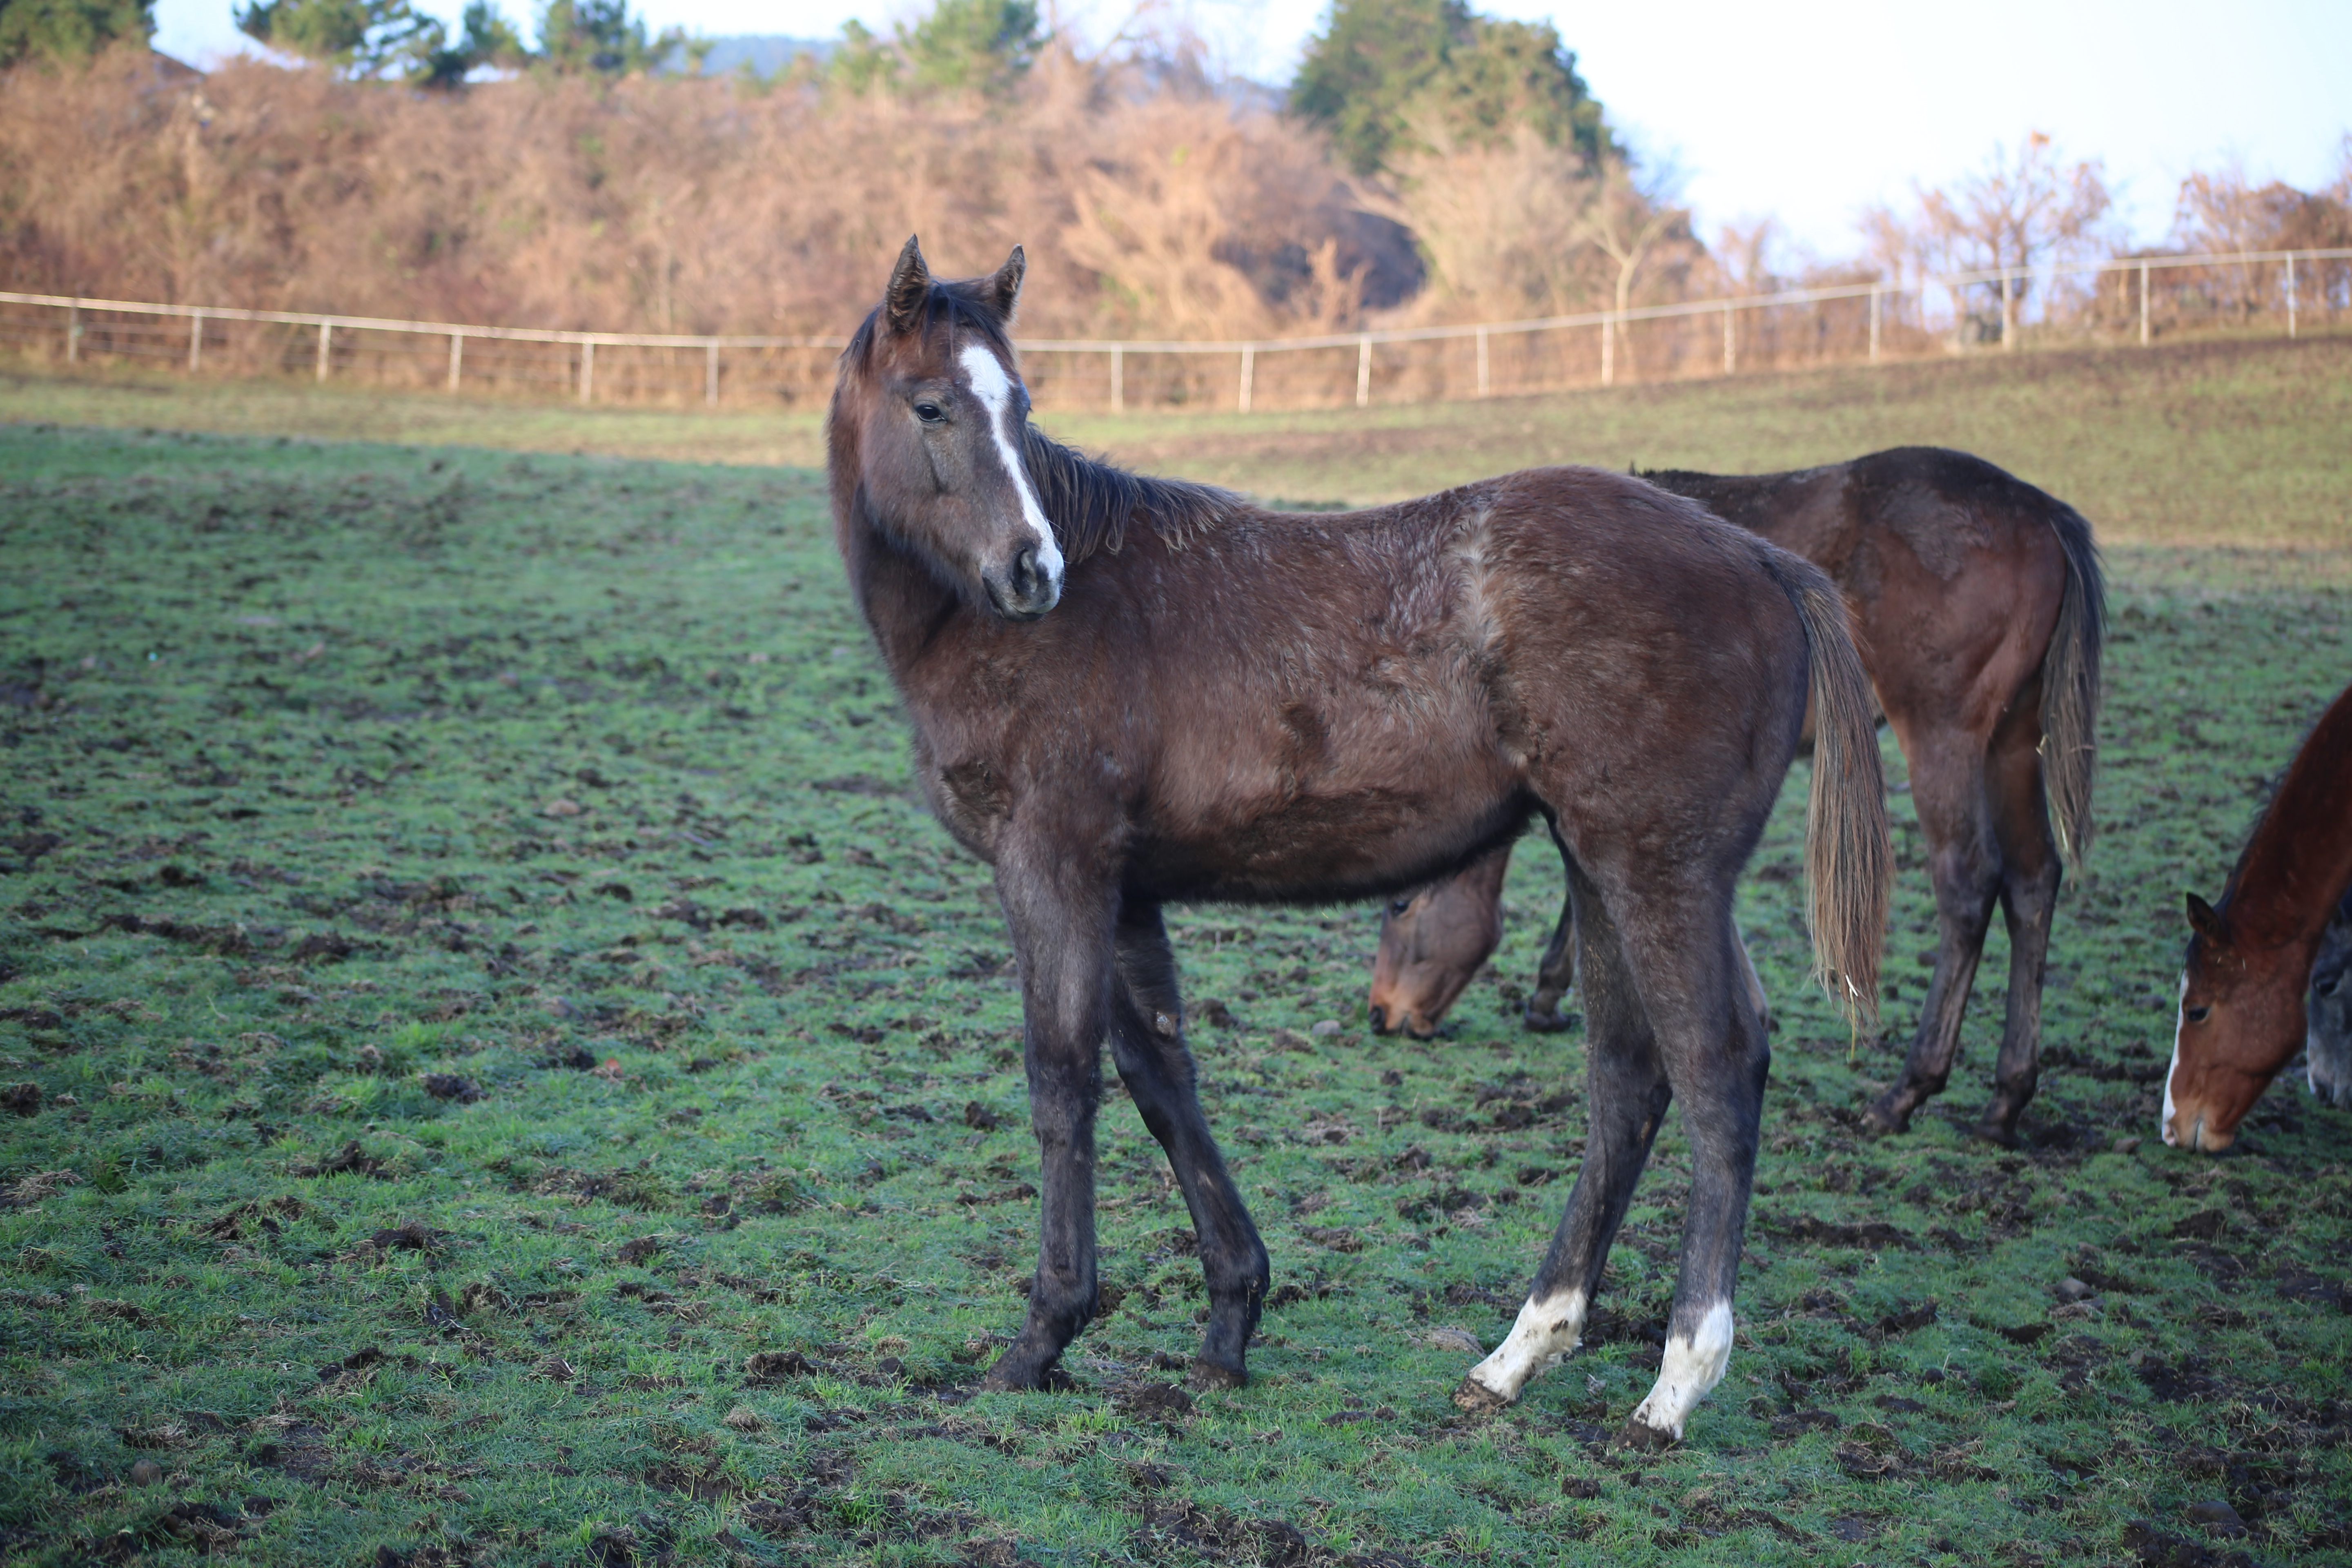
{"points": [[1128, 692], [2253, 951]]}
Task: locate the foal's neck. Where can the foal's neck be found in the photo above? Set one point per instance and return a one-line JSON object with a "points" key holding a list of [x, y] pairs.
{"points": [[2299, 860]]}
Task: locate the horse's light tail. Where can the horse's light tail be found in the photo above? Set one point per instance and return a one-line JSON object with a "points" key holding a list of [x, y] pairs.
{"points": [[1849, 862], [2070, 688]]}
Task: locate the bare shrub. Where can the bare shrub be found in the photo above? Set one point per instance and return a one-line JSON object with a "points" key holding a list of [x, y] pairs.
{"points": [[688, 206]]}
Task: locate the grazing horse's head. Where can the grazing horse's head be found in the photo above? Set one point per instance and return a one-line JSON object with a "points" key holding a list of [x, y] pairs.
{"points": [[930, 402], [2242, 1020], [1432, 942]]}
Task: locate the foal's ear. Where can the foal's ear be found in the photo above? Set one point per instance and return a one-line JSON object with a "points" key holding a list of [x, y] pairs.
{"points": [[1005, 289], [911, 283], [2206, 920]]}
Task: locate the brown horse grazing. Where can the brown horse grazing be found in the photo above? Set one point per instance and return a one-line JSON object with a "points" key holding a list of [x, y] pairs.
{"points": [[1977, 605], [1127, 691], [2251, 952], [2328, 1044]]}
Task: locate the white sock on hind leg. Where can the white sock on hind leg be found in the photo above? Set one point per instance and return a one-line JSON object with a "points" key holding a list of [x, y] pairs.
{"points": [[1688, 1372], [1546, 1331]]}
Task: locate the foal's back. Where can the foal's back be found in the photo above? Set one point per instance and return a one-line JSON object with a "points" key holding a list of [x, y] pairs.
{"points": [[1330, 684]]}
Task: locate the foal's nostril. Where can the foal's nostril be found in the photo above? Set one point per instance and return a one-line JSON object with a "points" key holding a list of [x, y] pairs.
{"points": [[1025, 572], [1380, 1019]]}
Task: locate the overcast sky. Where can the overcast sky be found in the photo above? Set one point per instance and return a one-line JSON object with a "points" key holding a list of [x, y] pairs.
{"points": [[1806, 111]]}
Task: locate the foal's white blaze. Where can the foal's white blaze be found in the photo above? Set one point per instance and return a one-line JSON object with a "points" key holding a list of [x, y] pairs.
{"points": [[2170, 1137], [1690, 1368], [994, 390], [1547, 1331]]}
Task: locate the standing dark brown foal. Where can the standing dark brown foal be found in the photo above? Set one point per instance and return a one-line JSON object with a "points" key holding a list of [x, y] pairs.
{"points": [[2251, 950], [1127, 691], [1979, 608]]}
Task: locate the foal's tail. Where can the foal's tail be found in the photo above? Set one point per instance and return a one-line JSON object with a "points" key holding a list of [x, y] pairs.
{"points": [[1849, 863], [2070, 686]]}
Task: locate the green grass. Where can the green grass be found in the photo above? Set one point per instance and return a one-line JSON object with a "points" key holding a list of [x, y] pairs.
{"points": [[2194, 444], [485, 975]]}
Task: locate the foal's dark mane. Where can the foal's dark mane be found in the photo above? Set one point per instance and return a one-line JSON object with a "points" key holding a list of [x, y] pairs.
{"points": [[1091, 502]]}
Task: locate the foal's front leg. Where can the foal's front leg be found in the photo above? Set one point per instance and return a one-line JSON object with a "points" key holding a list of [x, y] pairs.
{"points": [[1062, 935], [1147, 1038]]}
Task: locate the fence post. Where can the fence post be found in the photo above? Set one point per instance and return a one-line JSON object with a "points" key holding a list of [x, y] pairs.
{"points": [[326, 341], [456, 358], [2290, 293], [195, 339], [587, 369], [1730, 356], [1118, 379], [711, 374], [1483, 382], [2008, 337], [1876, 294], [1249, 372], [73, 332], [1608, 349], [2143, 304], [1364, 370]]}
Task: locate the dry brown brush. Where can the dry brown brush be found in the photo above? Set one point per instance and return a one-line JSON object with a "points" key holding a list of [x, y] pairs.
{"points": [[667, 205]]}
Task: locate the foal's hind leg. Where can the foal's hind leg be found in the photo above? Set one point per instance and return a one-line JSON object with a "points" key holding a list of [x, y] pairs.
{"points": [[1948, 791], [1629, 1094], [1711, 1039], [1147, 1038], [2028, 892]]}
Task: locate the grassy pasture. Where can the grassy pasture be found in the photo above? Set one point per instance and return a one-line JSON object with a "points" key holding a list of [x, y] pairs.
{"points": [[516, 1077], [2213, 442]]}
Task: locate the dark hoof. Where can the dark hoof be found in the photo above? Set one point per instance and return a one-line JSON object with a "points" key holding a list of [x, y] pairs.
{"points": [[1548, 1020], [1993, 1129], [1017, 1372], [1644, 1438], [1886, 1117], [1478, 1398], [1207, 1375]]}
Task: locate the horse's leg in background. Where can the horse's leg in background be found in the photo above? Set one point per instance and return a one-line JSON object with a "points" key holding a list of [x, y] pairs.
{"points": [[1147, 1038], [1556, 975], [1712, 1042], [1751, 985], [1629, 1094], [2328, 1039], [2029, 896], [1949, 792], [1062, 931]]}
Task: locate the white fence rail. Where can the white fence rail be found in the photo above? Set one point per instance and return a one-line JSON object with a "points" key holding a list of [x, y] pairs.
{"points": [[1862, 321]]}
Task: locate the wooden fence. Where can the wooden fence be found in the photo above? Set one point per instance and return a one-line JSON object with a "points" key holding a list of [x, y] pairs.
{"points": [[2120, 300]]}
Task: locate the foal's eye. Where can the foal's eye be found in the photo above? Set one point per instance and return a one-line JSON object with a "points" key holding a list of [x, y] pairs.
{"points": [[1398, 906], [929, 412], [2196, 1015]]}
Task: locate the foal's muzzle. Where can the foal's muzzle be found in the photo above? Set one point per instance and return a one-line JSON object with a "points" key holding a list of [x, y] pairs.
{"points": [[1022, 589]]}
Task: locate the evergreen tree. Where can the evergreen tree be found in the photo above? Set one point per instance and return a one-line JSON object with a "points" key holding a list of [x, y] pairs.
{"points": [[974, 45], [488, 39], [362, 38], [961, 45], [1380, 64], [69, 30], [577, 36]]}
